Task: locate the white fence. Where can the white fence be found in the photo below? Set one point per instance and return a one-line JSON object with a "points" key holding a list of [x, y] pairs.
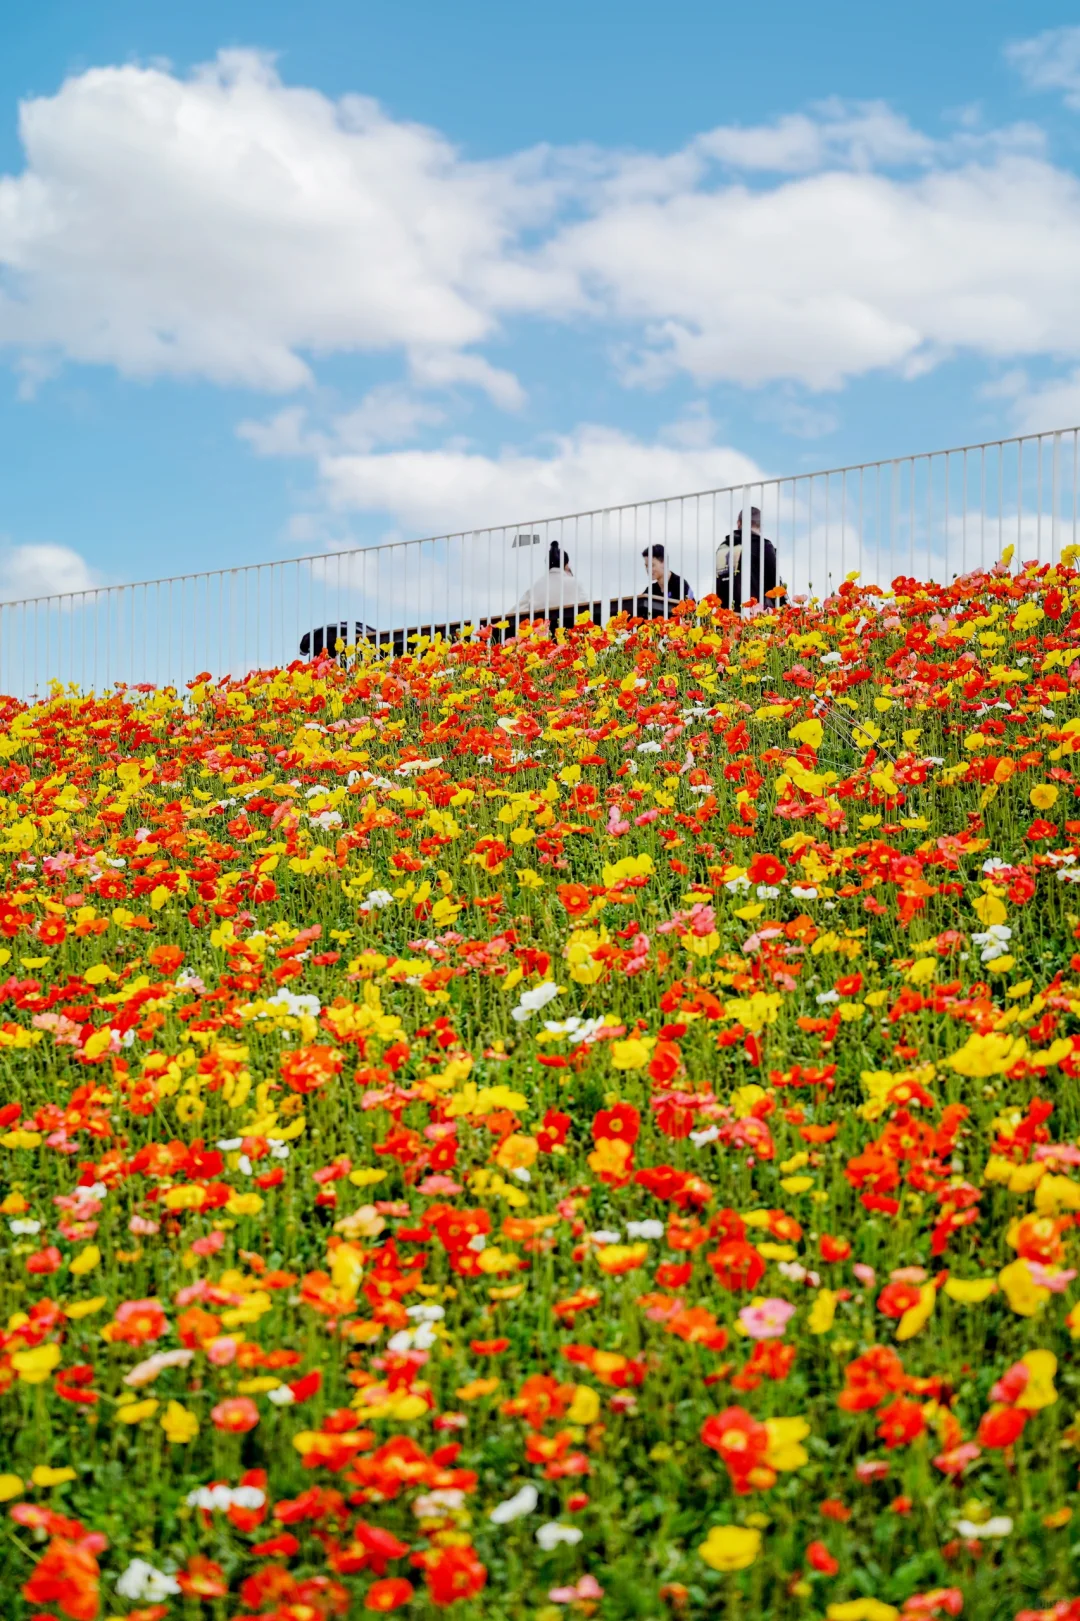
{"points": [[934, 515]]}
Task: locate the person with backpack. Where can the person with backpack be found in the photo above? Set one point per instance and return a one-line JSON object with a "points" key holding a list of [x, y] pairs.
{"points": [[741, 577]]}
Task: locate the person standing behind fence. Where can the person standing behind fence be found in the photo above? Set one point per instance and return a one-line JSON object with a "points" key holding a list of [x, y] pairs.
{"points": [[738, 576], [555, 589], [666, 588]]}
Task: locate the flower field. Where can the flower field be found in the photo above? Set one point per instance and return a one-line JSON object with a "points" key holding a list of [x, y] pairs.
{"points": [[582, 1127]]}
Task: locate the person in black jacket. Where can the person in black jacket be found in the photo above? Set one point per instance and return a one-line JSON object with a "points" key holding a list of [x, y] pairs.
{"points": [[665, 589], [739, 576]]}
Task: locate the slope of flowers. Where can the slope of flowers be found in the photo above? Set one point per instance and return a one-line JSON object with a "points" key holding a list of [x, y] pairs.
{"points": [[581, 1127]]}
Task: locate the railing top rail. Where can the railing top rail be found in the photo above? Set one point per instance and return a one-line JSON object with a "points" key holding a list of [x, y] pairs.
{"points": [[519, 525]]}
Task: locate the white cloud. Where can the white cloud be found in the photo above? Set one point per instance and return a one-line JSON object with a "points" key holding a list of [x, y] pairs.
{"points": [[232, 227], [439, 491], [386, 415], [795, 417], [1050, 61], [42, 571], [1037, 406], [285, 434], [823, 278], [456, 486], [859, 137], [445, 367], [1047, 405], [227, 226]]}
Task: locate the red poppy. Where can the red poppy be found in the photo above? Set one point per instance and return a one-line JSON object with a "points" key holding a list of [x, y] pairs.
{"points": [[770, 1359], [285, 1545], [766, 869], [897, 1298], [310, 1068], [202, 1579], [575, 898], [453, 1574], [674, 1274], [737, 1265], [743, 1443], [389, 1594], [665, 1062], [44, 1261], [870, 1378], [820, 1559], [553, 1132], [137, 1322], [901, 1422], [1001, 1426], [622, 1122], [235, 1415], [67, 1576]]}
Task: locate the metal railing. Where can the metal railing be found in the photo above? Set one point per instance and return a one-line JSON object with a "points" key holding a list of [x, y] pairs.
{"points": [[934, 515]]}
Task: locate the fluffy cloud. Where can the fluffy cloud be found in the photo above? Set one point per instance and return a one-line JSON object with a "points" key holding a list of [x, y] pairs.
{"points": [[388, 415], [229, 226], [826, 277], [456, 487], [42, 571], [860, 137], [1042, 407], [1050, 61]]}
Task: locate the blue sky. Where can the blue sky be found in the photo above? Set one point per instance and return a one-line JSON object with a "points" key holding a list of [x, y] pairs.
{"points": [[273, 280]]}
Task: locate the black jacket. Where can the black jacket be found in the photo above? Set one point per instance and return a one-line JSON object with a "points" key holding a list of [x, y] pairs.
{"points": [[754, 576], [675, 589]]}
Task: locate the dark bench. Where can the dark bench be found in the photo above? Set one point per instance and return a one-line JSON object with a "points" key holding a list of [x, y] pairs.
{"points": [[502, 627], [324, 638]]}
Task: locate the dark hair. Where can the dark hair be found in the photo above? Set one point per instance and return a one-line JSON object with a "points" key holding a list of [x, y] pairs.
{"points": [[557, 558], [755, 518], [654, 551]]}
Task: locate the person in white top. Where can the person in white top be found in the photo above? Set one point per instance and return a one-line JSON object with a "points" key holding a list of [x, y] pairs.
{"points": [[555, 589]]}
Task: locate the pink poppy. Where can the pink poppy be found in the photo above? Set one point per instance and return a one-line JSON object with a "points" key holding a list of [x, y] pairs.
{"points": [[766, 1319]]}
